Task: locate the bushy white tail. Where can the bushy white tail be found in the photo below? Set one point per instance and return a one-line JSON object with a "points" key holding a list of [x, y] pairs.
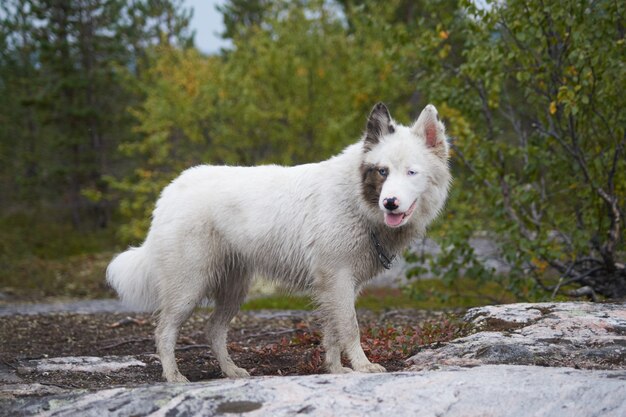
{"points": [[129, 274]]}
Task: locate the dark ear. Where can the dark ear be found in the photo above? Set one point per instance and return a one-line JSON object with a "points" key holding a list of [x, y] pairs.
{"points": [[378, 125], [428, 127]]}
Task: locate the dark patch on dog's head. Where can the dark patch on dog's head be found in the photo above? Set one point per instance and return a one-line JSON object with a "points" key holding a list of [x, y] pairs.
{"points": [[371, 183], [378, 125]]}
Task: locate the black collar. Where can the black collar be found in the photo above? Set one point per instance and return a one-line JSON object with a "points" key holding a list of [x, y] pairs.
{"points": [[385, 260]]}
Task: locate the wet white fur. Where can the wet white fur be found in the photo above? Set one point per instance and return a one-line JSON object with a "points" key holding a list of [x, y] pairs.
{"points": [[401, 153], [307, 226]]}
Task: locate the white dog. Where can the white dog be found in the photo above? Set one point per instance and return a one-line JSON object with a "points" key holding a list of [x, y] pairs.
{"points": [[326, 227]]}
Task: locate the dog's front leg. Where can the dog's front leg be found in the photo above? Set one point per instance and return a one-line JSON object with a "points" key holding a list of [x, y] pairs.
{"points": [[336, 297]]}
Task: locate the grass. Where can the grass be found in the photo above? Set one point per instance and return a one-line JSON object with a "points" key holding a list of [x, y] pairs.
{"points": [[464, 292], [78, 276], [375, 299], [44, 236], [42, 257], [427, 294], [279, 302]]}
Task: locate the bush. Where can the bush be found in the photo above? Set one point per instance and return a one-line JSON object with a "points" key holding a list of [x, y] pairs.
{"points": [[531, 95]]}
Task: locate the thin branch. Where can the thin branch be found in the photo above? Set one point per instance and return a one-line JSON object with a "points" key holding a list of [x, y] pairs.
{"points": [[189, 347], [534, 217], [469, 165], [125, 342], [581, 277], [515, 122], [587, 259], [522, 47], [551, 133], [506, 200], [276, 333], [563, 235], [583, 291], [486, 111], [62, 386], [578, 154], [616, 157], [557, 287], [608, 249], [558, 265]]}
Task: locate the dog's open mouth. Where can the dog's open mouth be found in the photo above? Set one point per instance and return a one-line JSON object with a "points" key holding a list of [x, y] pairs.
{"points": [[397, 219]]}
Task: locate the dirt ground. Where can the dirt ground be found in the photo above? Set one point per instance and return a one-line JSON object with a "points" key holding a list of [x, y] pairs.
{"points": [[263, 342]]}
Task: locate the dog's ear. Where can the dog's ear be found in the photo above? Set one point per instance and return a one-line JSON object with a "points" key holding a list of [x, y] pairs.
{"points": [[429, 127], [378, 125]]}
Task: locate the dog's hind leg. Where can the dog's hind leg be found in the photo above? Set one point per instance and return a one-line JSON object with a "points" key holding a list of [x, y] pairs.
{"points": [[229, 295], [175, 310]]}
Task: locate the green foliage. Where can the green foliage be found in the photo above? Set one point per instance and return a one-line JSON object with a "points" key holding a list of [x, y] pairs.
{"points": [[305, 82], [40, 256], [67, 77], [170, 133], [528, 99], [462, 292], [102, 103], [295, 89], [66, 71], [543, 152], [241, 14]]}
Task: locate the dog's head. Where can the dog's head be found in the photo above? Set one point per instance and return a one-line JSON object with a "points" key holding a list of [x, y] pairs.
{"points": [[405, 169]]}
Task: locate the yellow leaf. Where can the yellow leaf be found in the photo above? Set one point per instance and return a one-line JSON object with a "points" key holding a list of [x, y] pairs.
{"points": [[445, 51], [552, 107], [443, 34], [539, 264]]}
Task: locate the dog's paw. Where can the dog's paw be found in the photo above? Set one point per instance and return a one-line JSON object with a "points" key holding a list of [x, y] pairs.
{"points": [[236, 372], [370, 368], [176, 378], [339, 370]]}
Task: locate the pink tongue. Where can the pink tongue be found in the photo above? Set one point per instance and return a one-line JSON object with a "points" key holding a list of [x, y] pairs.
{"points": [[393, 219]]}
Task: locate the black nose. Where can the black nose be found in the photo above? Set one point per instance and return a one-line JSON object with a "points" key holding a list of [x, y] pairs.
{"points": [[391, 203]]}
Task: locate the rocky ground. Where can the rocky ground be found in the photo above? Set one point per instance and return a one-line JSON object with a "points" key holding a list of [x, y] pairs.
{"points": [[574, 335], [264, 342], [520, 359]]}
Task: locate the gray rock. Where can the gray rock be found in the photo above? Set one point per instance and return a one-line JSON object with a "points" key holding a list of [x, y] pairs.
{"points": [[494, 377], [487, 251], [484, 391], [79, 307], [91, 364], [8, 375], [581, 335], [11, 391]]}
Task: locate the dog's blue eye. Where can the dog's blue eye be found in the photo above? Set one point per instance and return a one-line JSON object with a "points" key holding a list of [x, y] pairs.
{"points": [[411, 172], [383, 172]]}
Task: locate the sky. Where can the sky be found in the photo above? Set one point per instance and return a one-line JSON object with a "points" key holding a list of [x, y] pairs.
{"points": [[207, 23]]}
